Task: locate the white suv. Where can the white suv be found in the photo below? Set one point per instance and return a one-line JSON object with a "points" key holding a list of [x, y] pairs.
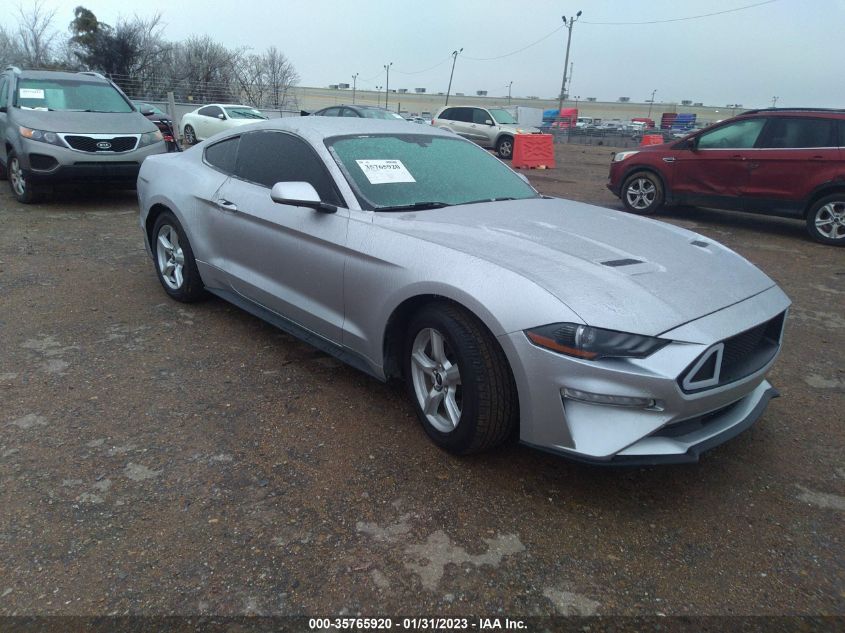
{"points": [[493, 128]]}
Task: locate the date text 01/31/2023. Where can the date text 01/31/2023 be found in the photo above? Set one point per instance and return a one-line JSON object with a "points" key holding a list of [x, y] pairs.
{"points": [[416, 624]]}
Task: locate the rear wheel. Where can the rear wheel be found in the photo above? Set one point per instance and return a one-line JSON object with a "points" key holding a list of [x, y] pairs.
{"points": [[174, 260], [23, 190], [826, 220], [190, 135], [642, 193], [459, 380], [504, 148]]}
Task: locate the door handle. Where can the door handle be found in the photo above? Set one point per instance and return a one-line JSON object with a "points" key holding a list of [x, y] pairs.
{"points": [[669, 159], [738, 157], [227, 206]]}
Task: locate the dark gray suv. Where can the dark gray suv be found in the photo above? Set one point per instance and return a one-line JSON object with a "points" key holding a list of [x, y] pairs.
{"points": [[69, 127]]}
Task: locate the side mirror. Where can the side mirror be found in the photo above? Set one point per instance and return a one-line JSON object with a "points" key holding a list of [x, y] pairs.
{"points": [[3, 109], [221, 116], [147, 111], [690, 144], [300, 194], [488, 122]]}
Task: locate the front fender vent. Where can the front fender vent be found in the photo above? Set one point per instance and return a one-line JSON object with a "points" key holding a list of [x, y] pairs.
{"points": [[616, 263]]}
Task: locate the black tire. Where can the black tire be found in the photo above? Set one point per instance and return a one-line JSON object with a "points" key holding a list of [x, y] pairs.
{"points": [[191, 288], [504, 147], [489, 406], [190, 135], [22, 188], [642, 193], [3, 174], [826, 220]]}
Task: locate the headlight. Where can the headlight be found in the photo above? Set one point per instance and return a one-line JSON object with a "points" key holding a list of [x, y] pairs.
{"points": [[620, 156], [591, 343], [149, 138], [40, 135]]}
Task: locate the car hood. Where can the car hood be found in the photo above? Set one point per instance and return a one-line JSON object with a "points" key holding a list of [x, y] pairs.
{"points": [[613, 269], [85, 122]]}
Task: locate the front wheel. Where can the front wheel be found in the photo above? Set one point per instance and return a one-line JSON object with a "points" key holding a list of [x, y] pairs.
{"points": [[826, 220], [642, 193], [504, 148], [174, 260], [22, 188], [459, 380]]}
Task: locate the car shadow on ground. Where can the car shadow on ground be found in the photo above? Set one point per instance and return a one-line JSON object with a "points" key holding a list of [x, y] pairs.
{"points": [[716, 218]]}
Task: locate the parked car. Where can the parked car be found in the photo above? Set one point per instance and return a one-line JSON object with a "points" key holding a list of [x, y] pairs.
{"points": [[59, 127], [785, 162], [359, 111], [409, 252], [162, 121], [493, 128], [426, 115], [208, 120]]}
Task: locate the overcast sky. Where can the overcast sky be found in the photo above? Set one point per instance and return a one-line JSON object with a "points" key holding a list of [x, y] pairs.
{"points": [[788, 48]]}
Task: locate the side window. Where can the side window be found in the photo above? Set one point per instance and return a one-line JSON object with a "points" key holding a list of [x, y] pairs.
{"points": [[266, 158], [842, 133], [4, 84], [350, 112], [331, 112], [464, 115], [740, 135], [222, 155], [211, 111], [782, 132], [448, 113], [480, 116]]}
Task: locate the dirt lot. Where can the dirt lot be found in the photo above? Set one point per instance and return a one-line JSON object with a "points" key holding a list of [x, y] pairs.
{"points": [[157, 458]]}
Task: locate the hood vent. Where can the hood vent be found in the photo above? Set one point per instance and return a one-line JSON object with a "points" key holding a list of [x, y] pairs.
{"points": [[616, 263], [699, 243]]}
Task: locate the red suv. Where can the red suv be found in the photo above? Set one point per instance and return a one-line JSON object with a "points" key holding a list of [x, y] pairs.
{"points": [[786, 162]]}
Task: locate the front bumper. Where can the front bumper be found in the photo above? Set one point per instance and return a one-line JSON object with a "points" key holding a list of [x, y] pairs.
{"points": [[46, 163], [676, 426]]}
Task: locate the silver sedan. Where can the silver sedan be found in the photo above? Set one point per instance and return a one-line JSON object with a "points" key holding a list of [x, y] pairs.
{"points": [[411, 253]]}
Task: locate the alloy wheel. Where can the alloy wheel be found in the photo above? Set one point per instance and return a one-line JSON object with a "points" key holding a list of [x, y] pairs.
{"points": [[171, 259], [830, 220], [641, 193], [437, 380], [16, 177]]}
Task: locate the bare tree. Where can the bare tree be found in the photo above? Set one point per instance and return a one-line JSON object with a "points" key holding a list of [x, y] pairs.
{"points": [[35, 34], [281, 76], [10, 49], [251, 75]]}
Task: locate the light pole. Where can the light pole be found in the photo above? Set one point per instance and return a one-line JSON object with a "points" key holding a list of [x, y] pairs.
{"points": [[509, 92], [569, 25], [354, 81], [576, 101], [651, 103], [775, 101], [387, 83], [378, 95], [452, 74]]}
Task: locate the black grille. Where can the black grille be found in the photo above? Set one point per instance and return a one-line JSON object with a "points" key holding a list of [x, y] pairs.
{"points": [[111, 145], [743, 354]]}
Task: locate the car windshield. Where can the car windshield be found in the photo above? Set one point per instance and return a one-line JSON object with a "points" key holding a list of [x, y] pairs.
{"points": [[69, 95], [244, 112], [378, 113], [406, 171], [502, 117]]}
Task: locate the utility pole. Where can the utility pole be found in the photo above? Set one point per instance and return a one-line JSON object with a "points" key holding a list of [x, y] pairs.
{"points": [[651, 102], [452, 74], [354, 81], [387, 83], [509, 92], [569, 25], [569, 79], [378, 95]]}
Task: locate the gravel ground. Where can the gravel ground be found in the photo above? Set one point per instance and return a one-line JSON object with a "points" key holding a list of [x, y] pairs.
{"points": [[159, 458]]}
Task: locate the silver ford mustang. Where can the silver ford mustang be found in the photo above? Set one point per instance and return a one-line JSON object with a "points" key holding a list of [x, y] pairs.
{"points": [[409, 252]]}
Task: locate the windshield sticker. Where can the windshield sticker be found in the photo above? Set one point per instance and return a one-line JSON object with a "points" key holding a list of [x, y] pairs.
{"points": [[380, 172], [31, 93]]}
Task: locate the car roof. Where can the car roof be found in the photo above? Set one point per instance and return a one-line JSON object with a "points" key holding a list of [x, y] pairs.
{"points": [[316, 129], [792, 112], [59, 74]]}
